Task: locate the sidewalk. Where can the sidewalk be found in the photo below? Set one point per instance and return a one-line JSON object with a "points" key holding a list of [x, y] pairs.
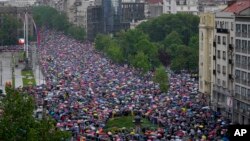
{"points": [[38, 76], [18, 76]]}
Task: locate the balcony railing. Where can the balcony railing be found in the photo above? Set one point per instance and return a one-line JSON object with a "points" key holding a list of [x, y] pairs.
{"points": [[214, 44], [230, 47], [221, 30]]}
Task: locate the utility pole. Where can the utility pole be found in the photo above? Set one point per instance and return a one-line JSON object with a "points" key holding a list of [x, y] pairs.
{"points": [[1, 71], [13, 70]]}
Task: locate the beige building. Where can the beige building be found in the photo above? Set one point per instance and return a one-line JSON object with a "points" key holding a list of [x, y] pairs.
{"points": [[206, 33]]}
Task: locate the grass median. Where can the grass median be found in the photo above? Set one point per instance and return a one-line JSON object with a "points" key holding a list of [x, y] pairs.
{"points": [[28, 78], [127, 123]]}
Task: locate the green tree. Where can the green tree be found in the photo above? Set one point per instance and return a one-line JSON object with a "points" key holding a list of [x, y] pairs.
{"points": [[102, 41], [172, 38], [59, 22], [115, 52], [194, 53], [141, 61], [76, 32], [8, 30], [18, 123], [161, 77]]}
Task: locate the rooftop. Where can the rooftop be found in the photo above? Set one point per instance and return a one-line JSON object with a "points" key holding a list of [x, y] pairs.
{"points": [[238, 6]]}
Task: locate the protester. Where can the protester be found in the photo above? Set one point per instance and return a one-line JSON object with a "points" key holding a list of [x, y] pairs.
{"points": [[84, 90]]}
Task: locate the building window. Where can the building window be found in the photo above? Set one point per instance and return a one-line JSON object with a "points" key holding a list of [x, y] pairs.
{"points": [[218, 39], [243, 93], [238, 45], [249, 31], [244, 62], [237, 76], [232, 26], [224, 40], [218, 68], [248, 80], [224, 70], [218, 82], [237, 89], [244, 46], [218, 54], [248, 63], [238, 30], [244, 30], [237, 60], [248, 47], [244, 78], [224, 55]]}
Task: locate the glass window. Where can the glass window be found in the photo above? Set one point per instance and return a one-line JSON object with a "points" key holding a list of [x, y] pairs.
{"points": [[243, 77], [237, 89], [249, 31], [232, 26], [244, 30], [218, 40], [237, 60], [238, 30], [244, 62], [237, 76], [224, 40], [218, 54], [238, 45], [248, 79], [218, 82], [224, 55], [218, 68], [244, 46], [248, 47], [224, 70], [248, 63]]}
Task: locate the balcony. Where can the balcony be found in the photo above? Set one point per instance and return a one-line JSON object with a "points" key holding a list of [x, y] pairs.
{"points": [[214, 57], [230, 47], [220, 30], [230, 61], [230, 76], [214, 44], [214, 72]]}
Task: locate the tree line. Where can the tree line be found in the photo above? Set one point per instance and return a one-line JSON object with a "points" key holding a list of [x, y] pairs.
{"points": [[170, 40], [48, 17]]}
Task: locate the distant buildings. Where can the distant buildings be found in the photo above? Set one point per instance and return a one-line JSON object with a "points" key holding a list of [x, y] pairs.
{"points": [[227, 74], [19, 3]]}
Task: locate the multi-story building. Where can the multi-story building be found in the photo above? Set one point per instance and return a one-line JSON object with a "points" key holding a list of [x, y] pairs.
{"points": [[132, 11], [206, 34], [187, 6], [241, 10], [230, 65], [222, 66], [21, 3], [153, 8], [94, 21]]}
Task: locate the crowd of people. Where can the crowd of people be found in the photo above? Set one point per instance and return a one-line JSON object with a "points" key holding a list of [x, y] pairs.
{"points": [[84, 90]]}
